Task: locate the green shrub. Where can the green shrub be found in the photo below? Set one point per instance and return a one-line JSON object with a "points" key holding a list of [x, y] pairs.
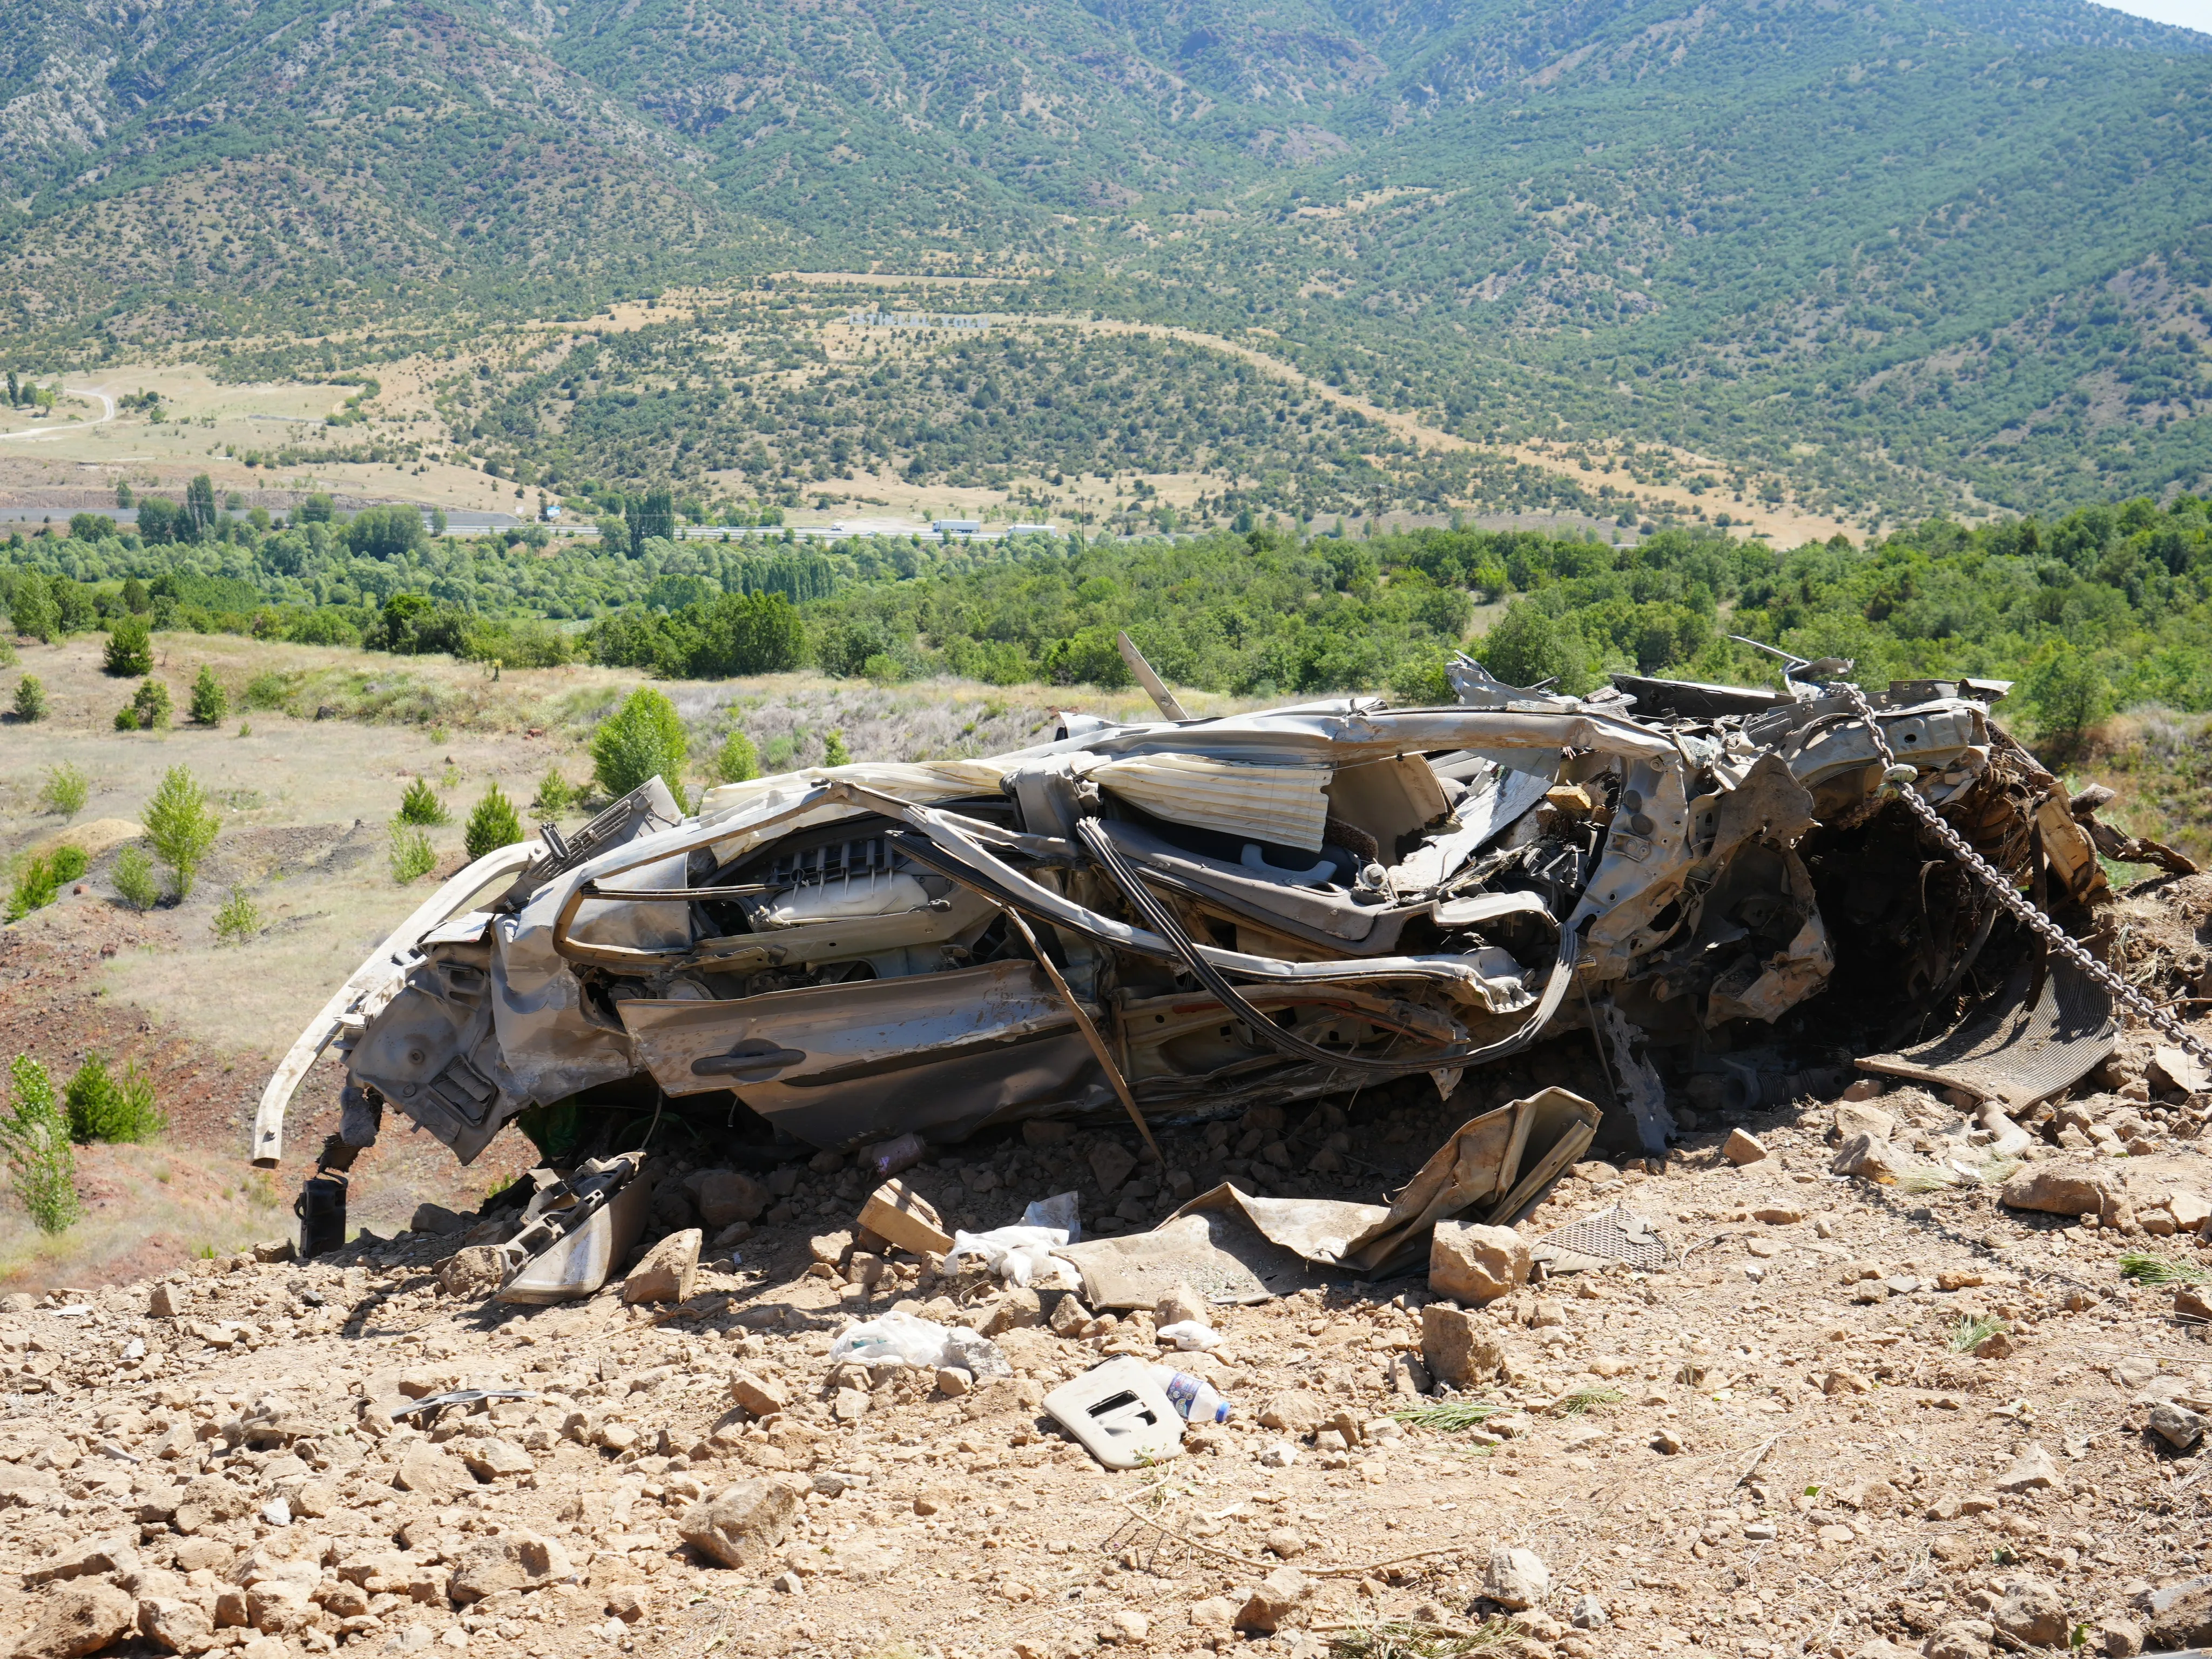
{"points": [[150, 703], [271, 691], [68, 863], [737, 760], [493, 825], [2067, 695], [641, 740], [35, 1139], [420, 805], [133, 876], [66, 789], [1528, 647], [554, 795], [126, 718], [211, 706], [36, 886], [130, 648], [834, 752], [412, 855], [1419, 680], [236, 921], [102, 1107], [180, 827], [30, 699]]}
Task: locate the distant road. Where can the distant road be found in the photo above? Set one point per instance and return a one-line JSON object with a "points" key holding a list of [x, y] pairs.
{"points": [[36, 433]]}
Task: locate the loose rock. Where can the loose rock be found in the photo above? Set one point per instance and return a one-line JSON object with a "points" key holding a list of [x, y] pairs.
{"points": [[667, 1271], [741, 1525], [1476, 1264]]}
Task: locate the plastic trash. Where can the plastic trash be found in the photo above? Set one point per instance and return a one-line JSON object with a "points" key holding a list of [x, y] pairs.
{"points": [[1059, 1211], [1020, 1256], [887, 1157], [899, 1339], [891, 1339], [1194, 1396], [1120, 1413], [1191, 1335]]}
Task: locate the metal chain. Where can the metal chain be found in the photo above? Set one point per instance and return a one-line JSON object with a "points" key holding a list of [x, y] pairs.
{"points": [[2009, 897]]}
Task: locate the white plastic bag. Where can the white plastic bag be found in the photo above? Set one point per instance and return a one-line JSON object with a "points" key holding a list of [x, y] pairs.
{"points": [[891, 1339], [1020, 1256], [899, 1339], [1058, 1211], [1190, 1335]]}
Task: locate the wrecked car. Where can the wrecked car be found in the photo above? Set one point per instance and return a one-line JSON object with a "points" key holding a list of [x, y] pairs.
{"points": [[1186, 917]]}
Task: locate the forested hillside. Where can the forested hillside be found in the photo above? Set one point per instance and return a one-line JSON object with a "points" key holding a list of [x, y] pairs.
{"points": [[1900, 256], [2107, 607]]}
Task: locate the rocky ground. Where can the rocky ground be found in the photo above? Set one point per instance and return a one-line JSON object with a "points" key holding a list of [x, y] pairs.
{"points": [[1855, 1414]]}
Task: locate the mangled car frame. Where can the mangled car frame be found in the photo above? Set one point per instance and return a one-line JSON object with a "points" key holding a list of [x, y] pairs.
{"points": [[1183, 918]]}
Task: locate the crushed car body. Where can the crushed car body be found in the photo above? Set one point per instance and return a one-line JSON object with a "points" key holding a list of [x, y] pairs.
{"points": [[1187, 917]]}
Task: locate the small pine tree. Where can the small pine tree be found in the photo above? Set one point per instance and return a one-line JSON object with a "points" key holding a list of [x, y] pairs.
{"points": [[130, 648], [492, 825], [210, 706], [133, 876], [554, 794], [737, 761], [181, 826], [35, 1137], [236, 918], [30, 699], [641, 740], [150, 702], [103, 1106], [834, 752], [420, 805]]}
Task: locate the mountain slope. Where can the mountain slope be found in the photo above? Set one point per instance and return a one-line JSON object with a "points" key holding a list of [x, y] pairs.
{"points": [[1915, 254]]}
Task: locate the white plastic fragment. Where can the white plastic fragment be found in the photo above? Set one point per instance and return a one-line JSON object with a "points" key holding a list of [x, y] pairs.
{"points": [[1191, 1335], [1020, 1256], [900, 1339]]}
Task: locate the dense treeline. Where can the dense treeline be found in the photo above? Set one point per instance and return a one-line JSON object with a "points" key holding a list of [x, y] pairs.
{"points": [[2112, 601]]}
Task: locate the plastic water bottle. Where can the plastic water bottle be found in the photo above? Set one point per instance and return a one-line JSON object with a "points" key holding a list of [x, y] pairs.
{"points": [[1194, 1396]]}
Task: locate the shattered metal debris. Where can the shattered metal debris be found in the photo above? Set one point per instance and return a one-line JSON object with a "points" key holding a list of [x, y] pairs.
{"points": [[1192, 917]]}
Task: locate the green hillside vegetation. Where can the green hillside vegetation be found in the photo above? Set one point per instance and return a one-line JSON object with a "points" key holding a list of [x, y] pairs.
{"points": [[1887, 260], [744, 405], [2119, 597]]}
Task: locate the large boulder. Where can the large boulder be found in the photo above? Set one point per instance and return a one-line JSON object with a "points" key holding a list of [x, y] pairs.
{"points": [[1476, 1264], [740, 1526]]}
